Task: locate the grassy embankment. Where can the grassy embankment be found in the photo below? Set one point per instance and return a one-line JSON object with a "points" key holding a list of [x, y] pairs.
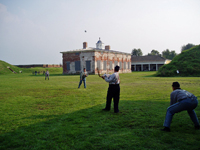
{"points": [[54, 114], [188, 64], [4, 70]]}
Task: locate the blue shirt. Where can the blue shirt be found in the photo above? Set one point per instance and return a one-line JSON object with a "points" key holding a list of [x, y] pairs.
{"points": [[179, 94]]}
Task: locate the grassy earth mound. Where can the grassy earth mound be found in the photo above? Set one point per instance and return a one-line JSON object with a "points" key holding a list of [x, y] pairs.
{"points": [[188, 64], [5, 70]]}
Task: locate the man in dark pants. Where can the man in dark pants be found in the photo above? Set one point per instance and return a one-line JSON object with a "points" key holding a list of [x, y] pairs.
{"points": [[113, 90], [181, 100], [83, 76]]}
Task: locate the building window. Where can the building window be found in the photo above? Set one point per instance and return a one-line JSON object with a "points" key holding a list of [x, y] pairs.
{"points": [[111, 65], [128, 65], [124, 65], [120, 65], [104, 65], [68, 65], [116, 63], [77, 65], [76, 53], [88, 65], [99, 64]]}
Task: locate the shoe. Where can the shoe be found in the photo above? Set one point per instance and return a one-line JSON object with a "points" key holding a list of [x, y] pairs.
{"points": [[166, 129], [197, 127], [105, 109]]}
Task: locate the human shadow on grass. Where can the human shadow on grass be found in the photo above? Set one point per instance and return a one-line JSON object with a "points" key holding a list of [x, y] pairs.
{"points": [[137, 124]]}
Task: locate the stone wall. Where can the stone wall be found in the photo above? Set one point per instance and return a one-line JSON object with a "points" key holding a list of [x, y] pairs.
{"points": [[40, 65], [71, 57], [87, 56]]}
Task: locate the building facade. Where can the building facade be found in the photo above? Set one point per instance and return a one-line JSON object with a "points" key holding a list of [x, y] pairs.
{"points": [[92, 58], [147, 63]]}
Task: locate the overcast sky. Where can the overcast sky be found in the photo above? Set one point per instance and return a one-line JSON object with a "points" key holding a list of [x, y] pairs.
{"points": [[36, 31]]}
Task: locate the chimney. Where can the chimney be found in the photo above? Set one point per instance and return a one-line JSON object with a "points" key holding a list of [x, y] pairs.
{"points": [[84, 45], [107, 47]]}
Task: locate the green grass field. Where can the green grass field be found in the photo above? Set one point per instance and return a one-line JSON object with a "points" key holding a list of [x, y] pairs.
{"points": [[41, 114]]}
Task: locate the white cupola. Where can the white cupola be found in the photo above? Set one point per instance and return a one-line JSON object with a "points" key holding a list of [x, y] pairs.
{"points": [[99, 44]]}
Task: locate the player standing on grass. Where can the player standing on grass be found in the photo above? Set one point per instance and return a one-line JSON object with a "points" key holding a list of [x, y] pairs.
{"points": [[181, 100], [83, 76], [113, 90], [47, 75]]}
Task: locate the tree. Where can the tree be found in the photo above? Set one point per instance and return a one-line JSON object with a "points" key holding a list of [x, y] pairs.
{"points": [[172, 55], [136, 52], [188, 46], [168, 55], [154, 52]]}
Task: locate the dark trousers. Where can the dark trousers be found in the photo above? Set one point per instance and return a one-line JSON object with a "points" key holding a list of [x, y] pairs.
{"points": [[113, 92], [46, 76], [84, 81]]}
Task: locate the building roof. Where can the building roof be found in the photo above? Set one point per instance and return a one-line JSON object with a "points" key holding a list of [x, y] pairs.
{"points": [[148, 58], [94, 49]]}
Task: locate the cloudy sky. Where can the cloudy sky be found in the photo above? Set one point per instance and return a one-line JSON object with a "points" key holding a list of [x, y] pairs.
{"points": [[36, 31]]}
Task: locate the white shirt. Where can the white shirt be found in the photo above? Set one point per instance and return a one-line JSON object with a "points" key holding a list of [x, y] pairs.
{"points": [[113, 79]]}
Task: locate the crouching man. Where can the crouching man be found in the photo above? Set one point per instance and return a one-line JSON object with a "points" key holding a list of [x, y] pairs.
{"points": [[181, 100]]}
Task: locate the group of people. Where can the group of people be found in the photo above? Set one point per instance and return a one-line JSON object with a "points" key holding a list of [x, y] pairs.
{"points": [[180, 100], [46, 73]]}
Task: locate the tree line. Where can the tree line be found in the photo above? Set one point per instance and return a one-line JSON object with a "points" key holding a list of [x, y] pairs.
{"points": [[166, 53]]}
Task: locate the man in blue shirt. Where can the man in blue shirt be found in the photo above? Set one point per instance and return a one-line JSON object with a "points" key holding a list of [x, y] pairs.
{"points": [[181, 100], [113, 90]]}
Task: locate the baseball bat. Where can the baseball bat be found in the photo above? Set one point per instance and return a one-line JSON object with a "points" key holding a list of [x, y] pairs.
{"points": [[98, 72]]}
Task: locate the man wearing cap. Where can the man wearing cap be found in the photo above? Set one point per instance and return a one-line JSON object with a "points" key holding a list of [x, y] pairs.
{"points": [[181, 100], [113, 90]]}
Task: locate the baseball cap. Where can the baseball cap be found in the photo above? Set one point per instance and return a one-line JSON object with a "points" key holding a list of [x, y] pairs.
{"points": [[117, 68], [176, 84]]}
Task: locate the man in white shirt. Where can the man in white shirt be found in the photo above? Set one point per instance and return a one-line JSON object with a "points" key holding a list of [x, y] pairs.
{"points": [[113, 90]]}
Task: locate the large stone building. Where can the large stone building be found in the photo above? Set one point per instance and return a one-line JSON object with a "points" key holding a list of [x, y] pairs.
{"points": [[92, 58], [147, 63]]}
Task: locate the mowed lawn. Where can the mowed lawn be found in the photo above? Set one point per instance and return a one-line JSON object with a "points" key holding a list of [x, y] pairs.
{"points": [[52, 114]]}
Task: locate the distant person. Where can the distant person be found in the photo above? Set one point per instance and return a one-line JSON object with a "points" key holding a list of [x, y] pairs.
{"points": [[177, 71], [181, 100], [113, 90], [35, 72], [47, 75], [83, 76]]}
